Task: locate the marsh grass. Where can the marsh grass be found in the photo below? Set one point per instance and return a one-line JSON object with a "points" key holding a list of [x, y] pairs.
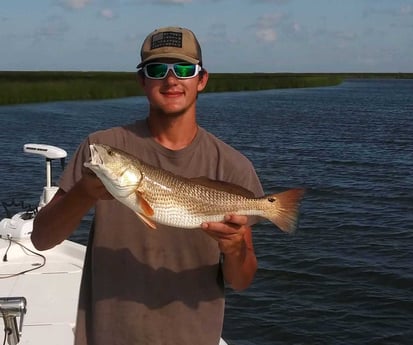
{"points": [[30, 87], [27, 87], [264, 81]]}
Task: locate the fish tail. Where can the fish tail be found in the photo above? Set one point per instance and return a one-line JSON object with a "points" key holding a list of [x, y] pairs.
{"points": [[283, 209]]}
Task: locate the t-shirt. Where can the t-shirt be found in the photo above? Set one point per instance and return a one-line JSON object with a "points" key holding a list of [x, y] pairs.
{"points": [[156, 287]]}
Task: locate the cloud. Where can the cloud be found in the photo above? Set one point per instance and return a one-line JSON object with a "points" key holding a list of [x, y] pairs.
{"points": [[278, 2], [266, 35], [266, 27], [107, 13], [296, 27], [269, 20], [74, 4], [171, 2]]}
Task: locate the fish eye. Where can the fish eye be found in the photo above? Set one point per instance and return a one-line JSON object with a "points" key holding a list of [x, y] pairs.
{"points": [[271, 199], [110, 152]]}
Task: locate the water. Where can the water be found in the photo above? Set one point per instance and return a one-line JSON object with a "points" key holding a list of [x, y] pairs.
{"points": [[346, 276]]}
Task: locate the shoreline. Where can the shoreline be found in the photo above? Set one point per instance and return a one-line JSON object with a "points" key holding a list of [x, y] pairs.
{"points": [[19, 87]]}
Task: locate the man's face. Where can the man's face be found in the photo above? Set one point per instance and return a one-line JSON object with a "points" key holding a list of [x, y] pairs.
{"points": [[172, 95]]}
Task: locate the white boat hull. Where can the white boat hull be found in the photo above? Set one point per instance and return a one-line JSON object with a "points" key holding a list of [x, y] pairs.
{"points": [[51, 291]]}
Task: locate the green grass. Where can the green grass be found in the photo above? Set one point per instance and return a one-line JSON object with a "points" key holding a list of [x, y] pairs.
{"points": [[30, 87], [265, 81], [27, 87]]}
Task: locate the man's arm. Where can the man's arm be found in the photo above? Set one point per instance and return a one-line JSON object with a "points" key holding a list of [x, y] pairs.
{"points": [[63, 214], [235, 242]]}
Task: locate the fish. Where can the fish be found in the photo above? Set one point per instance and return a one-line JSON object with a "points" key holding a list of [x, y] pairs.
{"points": [[158, 196]]}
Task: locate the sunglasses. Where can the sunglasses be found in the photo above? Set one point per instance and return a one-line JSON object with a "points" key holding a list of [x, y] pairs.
{"points": [[182, 70]]}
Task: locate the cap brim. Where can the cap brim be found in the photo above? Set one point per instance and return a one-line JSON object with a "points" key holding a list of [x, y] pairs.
{"points": [[168, 56]]}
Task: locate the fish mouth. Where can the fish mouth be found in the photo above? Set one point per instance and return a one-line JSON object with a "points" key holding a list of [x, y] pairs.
{"points": [[95, 158]]}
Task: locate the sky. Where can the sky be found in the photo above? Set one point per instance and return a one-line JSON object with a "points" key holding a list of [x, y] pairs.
{"points": [[236, 36]]}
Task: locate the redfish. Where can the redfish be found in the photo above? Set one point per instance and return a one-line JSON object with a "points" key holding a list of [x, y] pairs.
{"points": [[158, 196]]}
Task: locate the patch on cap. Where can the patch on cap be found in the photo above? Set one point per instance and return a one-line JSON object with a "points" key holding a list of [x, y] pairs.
{"points": [[167, 39]]}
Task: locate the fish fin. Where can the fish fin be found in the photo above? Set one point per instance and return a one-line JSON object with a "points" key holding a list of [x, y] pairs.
{"points": [[148, 222], [286, 207], [124, 191], [146, 208], [222, 186]]}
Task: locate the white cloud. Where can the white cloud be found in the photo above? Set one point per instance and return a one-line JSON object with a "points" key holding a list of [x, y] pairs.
{"points": [[278, 2], [266, 35], [265, 27], [269, 20], [75, 4], [296, 27], [173, 2], [107, 13]]}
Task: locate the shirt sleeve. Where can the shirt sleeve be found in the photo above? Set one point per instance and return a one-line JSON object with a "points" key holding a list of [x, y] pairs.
{"points": [[73, 171]]}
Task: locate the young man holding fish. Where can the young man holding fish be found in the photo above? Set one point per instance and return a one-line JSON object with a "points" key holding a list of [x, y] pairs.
{"points": [[166, 285]]}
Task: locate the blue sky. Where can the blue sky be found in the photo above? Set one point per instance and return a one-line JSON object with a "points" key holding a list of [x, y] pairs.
{"points": [[236, 36]]}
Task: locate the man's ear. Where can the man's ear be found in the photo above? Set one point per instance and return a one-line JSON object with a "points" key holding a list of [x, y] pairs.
{"points": [[203, 79], [140, 78]]}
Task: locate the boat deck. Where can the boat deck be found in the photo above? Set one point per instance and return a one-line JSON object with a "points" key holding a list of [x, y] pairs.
{"points": [[52, 274]]}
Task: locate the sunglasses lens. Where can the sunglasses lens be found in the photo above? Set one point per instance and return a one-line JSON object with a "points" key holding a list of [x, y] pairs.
{"points": [[160, 70], [156, 70], [184, 70]]}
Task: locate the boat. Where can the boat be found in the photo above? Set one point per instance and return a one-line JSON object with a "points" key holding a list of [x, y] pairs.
{"points": [[38, 290]]}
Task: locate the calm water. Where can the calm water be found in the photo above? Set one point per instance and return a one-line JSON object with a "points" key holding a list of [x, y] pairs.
{"points": [[346, 276]]}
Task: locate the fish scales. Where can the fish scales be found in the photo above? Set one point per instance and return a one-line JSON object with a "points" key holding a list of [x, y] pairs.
{"points": [[182, 202], [158, 196]]}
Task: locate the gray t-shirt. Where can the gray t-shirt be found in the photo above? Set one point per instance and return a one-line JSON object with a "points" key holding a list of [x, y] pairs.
{"points": [[155, 287]]}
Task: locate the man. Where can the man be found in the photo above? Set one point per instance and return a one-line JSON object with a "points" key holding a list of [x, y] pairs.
{"points": [[163, 286]]}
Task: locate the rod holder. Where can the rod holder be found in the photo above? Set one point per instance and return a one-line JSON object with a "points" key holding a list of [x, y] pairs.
{"points": [[12, 308]]}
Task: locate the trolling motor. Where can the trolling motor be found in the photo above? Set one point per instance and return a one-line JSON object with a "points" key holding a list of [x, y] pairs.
{"points": [[51, 153], [21, 224]]}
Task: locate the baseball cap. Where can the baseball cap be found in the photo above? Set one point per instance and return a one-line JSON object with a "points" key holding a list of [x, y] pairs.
{"points": [[171, 42]]}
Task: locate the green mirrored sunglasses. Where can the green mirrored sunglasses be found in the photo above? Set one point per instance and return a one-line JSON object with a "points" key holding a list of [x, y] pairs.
{"points": [[182, 70]]}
